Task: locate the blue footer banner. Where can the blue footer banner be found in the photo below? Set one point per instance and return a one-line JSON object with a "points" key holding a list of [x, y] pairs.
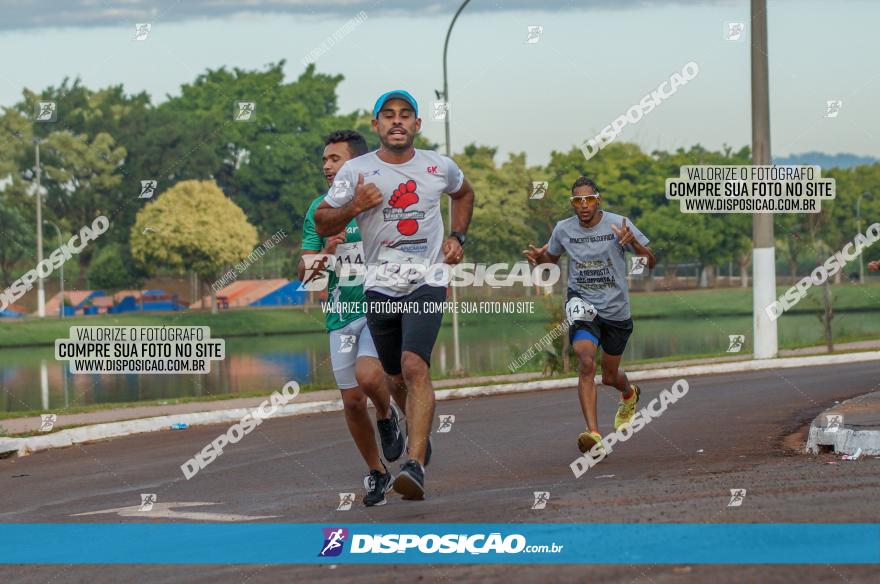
{"points": [[449, 543]]}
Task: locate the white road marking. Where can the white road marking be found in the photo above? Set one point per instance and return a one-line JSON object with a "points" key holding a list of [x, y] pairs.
{"points": [[166, 511]]}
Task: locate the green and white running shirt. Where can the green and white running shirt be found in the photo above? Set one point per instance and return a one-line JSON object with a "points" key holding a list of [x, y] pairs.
{"points": [[350, 252]]}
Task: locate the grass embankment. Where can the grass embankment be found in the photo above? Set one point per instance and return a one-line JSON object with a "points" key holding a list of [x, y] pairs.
{"points": [[277, 321], [738, 301], [228, 323]]}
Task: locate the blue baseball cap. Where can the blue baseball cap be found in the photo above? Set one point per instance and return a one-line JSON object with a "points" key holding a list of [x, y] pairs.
{"points": [[396, 94]]}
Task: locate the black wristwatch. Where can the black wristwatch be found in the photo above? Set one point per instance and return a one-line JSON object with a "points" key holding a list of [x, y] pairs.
{"points": [[459, 236]]}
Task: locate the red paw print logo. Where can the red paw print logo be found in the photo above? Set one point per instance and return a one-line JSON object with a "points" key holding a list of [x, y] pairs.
{"points": [[404, 196]]}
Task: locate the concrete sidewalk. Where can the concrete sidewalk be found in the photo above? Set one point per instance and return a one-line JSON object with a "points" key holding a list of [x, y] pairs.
{"points": [[14, 426], [848, 427], [310, 405], [29, 425]]}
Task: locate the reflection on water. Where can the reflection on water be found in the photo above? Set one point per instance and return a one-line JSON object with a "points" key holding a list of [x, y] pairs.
{"points": [[31, 379]]}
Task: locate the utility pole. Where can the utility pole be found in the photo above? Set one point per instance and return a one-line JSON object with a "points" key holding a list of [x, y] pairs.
{"points": [[763, 250], [859, 220], [41, 294], [60, 244], [456, 347]]}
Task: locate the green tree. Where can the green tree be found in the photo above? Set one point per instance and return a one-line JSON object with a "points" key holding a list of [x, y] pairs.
{"points": [[17, 234], [17, 229], [791, 230], [86, 114], [16, 145], [499, 229], [271, 166], [710, 238], [858, 186], [85, 111], [192, 227], [113, 268], [81, 179]]}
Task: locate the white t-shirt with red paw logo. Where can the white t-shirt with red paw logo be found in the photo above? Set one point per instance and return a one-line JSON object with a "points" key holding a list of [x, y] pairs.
{"points": [[407, 227]]}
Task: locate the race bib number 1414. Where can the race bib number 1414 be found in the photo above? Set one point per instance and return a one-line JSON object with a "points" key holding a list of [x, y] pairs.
{"points": [[578, 309]]}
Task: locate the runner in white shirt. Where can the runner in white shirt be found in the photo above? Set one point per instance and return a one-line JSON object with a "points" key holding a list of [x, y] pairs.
{"points": [[353, 356], [394, 195]]}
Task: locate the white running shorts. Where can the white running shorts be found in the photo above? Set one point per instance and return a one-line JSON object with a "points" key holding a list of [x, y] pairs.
{"points": [[347, 345]]}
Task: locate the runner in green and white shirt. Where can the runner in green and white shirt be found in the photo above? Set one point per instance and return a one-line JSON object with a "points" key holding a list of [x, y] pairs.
{"points": [[356, 366]]}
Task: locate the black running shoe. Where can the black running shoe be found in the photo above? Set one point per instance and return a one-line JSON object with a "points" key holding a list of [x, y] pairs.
{"points": [[377, 484], [390, 436], [410, 481]]}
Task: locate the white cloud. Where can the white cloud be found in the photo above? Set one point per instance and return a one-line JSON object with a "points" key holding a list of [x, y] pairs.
{"points": [[85, 13]]}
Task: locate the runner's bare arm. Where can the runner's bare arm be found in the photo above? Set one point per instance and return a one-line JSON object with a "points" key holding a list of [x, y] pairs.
{"points": [[625, 236], [540, 255], [329, 221], [462, 207], [333, 220]]}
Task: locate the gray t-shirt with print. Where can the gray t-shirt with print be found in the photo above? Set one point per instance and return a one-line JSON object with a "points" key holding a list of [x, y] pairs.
{"points": [[597, 267]]}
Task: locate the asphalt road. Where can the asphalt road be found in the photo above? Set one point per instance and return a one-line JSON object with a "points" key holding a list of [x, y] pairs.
{"points": [[731, 431]]}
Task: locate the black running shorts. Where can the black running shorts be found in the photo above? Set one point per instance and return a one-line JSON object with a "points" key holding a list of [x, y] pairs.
{"points": [[405, 323], [611, 335]]}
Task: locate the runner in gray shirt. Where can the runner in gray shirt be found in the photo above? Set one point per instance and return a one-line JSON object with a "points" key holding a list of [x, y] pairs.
{"points": [[597, 306]]}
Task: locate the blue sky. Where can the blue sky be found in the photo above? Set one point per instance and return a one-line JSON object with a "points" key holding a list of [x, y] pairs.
{"points": [[594, 60]]}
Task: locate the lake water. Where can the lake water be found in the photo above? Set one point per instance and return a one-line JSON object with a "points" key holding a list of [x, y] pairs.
{"points": [[31, 379]]}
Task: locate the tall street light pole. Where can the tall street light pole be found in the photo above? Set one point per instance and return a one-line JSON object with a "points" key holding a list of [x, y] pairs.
{"points": [[41, 294], [455, 343], [763, 251], [60, 245], [859, 219]]}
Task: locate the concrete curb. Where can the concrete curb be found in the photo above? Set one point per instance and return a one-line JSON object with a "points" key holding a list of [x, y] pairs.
{"points": [[25, 446], [31, 444], [850, 436]]}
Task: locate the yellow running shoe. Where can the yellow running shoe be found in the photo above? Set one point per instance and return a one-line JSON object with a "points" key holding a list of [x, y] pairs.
{"points": [[627, 408], [589, 439]]}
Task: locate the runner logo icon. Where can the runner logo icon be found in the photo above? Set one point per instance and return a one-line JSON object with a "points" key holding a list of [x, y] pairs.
{"points": [[541, 498], [833, 422], [47, 422], [346, 343], [345, 501], [639, 263], [317, 267], [539, 189], [334, 541], [737, 496], [446, 423], [147, 501], [736, 343]]}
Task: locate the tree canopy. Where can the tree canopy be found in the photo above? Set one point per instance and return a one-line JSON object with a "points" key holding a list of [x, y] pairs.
{"points": [[192, 226], [105, 142]]}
